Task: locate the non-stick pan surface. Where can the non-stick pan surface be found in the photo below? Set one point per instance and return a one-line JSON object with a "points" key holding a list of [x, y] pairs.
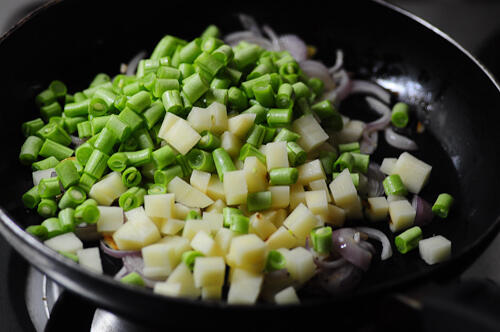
{"points": [[452, 94]]}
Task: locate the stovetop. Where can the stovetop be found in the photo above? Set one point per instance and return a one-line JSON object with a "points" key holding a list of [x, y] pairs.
{"points": [[28, 299]]}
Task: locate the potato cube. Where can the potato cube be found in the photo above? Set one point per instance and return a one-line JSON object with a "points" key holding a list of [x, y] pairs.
{"points": [[159, 206], [287, 296], [300, 264], [215, 220], [193, 226], [300, 222], [435, 249], [217, 206], [231, 143], [160, 259], [336, 216], [200, 180], [209, 271], [223, 239], [402, 215], [180, 283], [355, 209], [67, 242], [239, 125], [281, 238], [109, 188], [279, 217], [173, 289], [247, 251], [388, 165], [179, 243], [311, 133], [261, 226], [187, 194], [136, 233], [181, 136], [320, 184], [110, 219], [218, 118], [343, 191], [280, 196], [205, 244], [317, 202], [297, 195], [215, 189], [413, 172], [211, 293], [276, 155], [245, 287], [255, 174], [352, 132], [378, 208], [394, 198], [235, 187], [311, 171], [181, 211], [171, 226], [90, 259]]}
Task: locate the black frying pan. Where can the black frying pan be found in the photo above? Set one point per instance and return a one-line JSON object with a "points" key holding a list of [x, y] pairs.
{"points": [[450, 91]]}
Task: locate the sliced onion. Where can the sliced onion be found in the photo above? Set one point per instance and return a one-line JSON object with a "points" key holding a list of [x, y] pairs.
{"points": [[120, 274], [249, 23], [294, 45], [339, 62], [86, 232], [329, 265], [313, 68], [347, 247], [340, 280], [368, 246], [134, 62], [135, 263], [369, 88], [343, 87], [369, 142], [375, 177], [235, 38], [117, 253], [399, 141], [423, 209], [380, 236], [273, 37], [76, 141]]}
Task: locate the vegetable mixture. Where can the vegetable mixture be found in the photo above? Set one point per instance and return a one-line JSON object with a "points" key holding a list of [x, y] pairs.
{"points": [[221, 168]]}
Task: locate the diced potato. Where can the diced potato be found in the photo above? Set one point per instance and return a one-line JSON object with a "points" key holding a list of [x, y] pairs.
{"points": [[280, 196], [187, 194], [276, 155], [413, 172], [355, 209], [343, 190], [261, 226], [42, 174], [378, 208], [171, 226], [181, 211], [245, 287], [287, 296], [159, 260], [211, 293], [90, 259], [321, 220], [315, 154], [394, 198], [402, 215], [209, 271], [159, 206], [215, 220], [235, 187], [279, 217], [217, 206], [200, 180], [110, 219], [336, 216], [255, 174], [218, 118], [297, 195], [248, 252], [180, 135], [352, 132], [300, 222], [320, 184], [193, 226], [311, 171], [239, 125], [435, 249], [317, 202], [231, 143], [136, 233], [67, 242], [180, 284], [109, 188], [388, 165], [216, 189], [199, 119], [282, 238], [205, 244], [311, 133], [178, 243], [168, 121], [223, 239], [299, 263]]}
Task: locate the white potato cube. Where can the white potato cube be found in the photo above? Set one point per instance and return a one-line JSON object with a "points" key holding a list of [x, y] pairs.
{"points": [[205, 244], [394, 198], [215, 189], [136, 234], [168, 121], [378, 208], [320, 184], [180, 284], [160, 260], [336, 216], [297, 195], [388, 165], [217, 206], [245, 287], [223, 239], [109, 188], [211, 293], [281, 238], [200, 180], [344, 192], [171, 226], [239, 125], [180, 136], [351, 132], [300, 264], [300, 222], [435, 249], [402, 215], [287, 296], [231, 143], [187, 194], [276, 155], [159, 206], [209, 271], [311, 171], [90, 259], [215, 220], [280, 196], [248, 252], [193, 226], [218, 118], [110, 219], [317, 201], [255, 174], [311, 133], [67, 242], [199, 119], [235, 187], [181, 211], [261, 226], [413, 172], [42, 174]]}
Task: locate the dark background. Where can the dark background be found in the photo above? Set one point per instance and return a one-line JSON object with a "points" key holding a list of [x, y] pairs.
{"points": [[474, 24]]}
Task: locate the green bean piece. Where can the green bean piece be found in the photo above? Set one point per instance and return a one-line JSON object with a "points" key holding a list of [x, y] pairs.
{"points": [[71, 124], [30, 128], [296, 154], [217, 95], [118, 161], [120, 129], [86, 182], [284, 96], [327, 159], [30, 150], [277, 117], [46, 163], [400, 115], [248, 150], [361, 162], [264, 94], [133, 278], [50, 110], [240, 223], [259, 111], [286, 135], [164, 156], [83, 153], [316, 85], [393, 185], [45, 97], [49, 187], [139, 158], [189, 258], [131, 118], [259, 201], [283, 176], [194, 87], [67, 219], [442, 206], [256, 136], [70, 255], [223, 162], [132, 198], [38, 231], [56, 133], [87, 212], [72, 197], [105, 141], [67, 173], [157, 189], [166, 47], [97, 164], [172, 101], [193, 215], [31, 198], [47, 207], [201, 160], [321, 239], [275, 261], [165, 176], [227, 212], [53, 226], [345, 160]]}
